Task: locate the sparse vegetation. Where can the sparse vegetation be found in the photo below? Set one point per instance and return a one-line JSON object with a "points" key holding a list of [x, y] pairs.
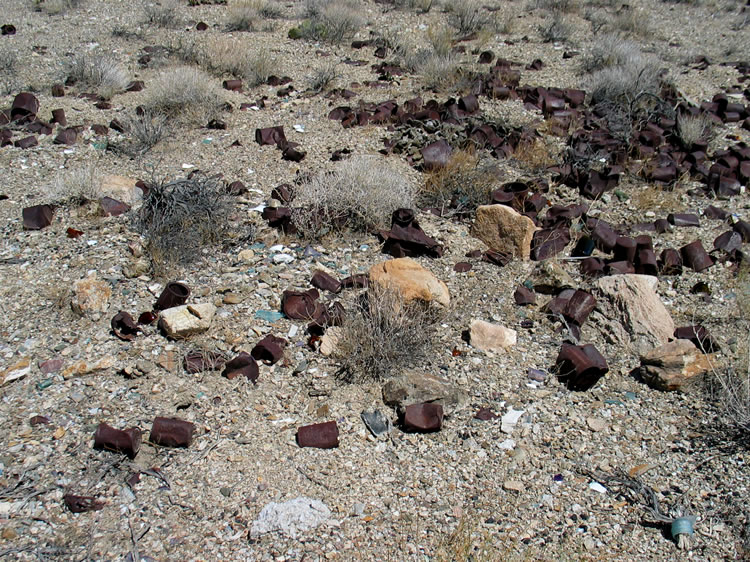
{"points": [[8, 71], [179, 218], [555, 29], [145, 129], [468, 17], [55, 7], [358, 194], [461, 186], [242, 16], [76, 186], [185, 93], [332, 21], [611, 50], [96, 71], [693, 128], [163, 13], [383, 335], [731, 381], [322, 78], [632, 22]]}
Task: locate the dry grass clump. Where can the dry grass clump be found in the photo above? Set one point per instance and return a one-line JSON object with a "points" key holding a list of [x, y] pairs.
{"points": [[185, 93], [8, 71], [383, 335], [55, 7], [468, 16], [535, 155], [621, 73], [164, 13], [461, 186], [322, 78], [333, 21], [358, 194], [179, 218], [555, 29], [632, 22], [242, 15], [557, 6], [102, 73], [146, 129], [610, 50], [77, 186], [693, 128], [228, 55], [731, 381], [432, 58]]}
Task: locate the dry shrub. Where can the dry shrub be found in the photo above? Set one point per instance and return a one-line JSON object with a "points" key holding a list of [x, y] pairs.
{"points": [[228, 55], [8, 71], [145, 129], [55, 7], [102, 73], [383, 335], [235, 57], [358, 194], [164, 13], [557, 6], [184, 93], [332, 21], [77, 186], [693, 128], [632, 22], [461, 186], [441, 72], [655, 198], [468, 16], [555, 29], [323, 78], [180, 218], [731, 382], [242, 15], [535, 155], [610, 50]]}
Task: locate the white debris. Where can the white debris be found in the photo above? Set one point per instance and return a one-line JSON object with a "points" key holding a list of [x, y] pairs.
{"points": [[291, 517]]}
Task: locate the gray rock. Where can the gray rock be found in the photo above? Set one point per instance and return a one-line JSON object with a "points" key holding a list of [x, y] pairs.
{"points": [[291, 517], [415, 388], [377, 422]]}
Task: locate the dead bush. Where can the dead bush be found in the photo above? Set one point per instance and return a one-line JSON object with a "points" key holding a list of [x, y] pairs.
{"points": [[185, 93], [164, 13], [179, 218], [623, 83], [358, 194], [461, 186], [228, 55], [383, 335], [99, 72], [332, 21], [441, 72]]}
